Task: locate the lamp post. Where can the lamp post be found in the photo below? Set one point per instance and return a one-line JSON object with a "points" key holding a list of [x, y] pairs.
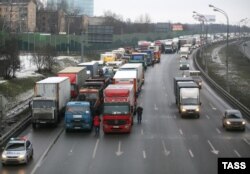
{"points": [[242, 20], [203, 20], [225, 14]]}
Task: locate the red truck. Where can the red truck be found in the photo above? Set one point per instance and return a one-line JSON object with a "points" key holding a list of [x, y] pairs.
{"points": [[77, 76], [119, 108]]}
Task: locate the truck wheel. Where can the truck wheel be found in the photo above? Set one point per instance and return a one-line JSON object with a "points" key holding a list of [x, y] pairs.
{"points": [[34, 125]]}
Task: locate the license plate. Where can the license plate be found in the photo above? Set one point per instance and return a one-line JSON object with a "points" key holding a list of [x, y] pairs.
{"points": [[43, 122], [77, 128], [116, 127]]}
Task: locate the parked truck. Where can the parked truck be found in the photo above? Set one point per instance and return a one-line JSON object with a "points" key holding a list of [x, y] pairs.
{"points": [[188, 99], [119, 108], [139, 58], [91, 67], [180, 79], [128, 77], [78, 116], [139, 71], [51, 96], [77, 76]]}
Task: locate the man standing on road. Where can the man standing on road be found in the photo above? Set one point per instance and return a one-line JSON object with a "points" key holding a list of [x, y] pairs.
{"points": [[97, 122], [139, 111]]}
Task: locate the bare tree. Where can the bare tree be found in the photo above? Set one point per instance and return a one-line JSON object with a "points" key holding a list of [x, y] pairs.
{"points": [[39, 59], [50, 54], [10, 62]]}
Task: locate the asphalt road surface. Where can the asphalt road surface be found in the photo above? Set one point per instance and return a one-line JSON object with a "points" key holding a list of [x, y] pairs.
{"points": [[163, 143]]}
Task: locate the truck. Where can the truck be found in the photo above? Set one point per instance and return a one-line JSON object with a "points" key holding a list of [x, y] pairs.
{"points": [[180, 79], [77, 77], [78, 116], [157, 53], [139, 71], [139, 58], [51, 97], [169, 46], [184, 52], [119, 108], [188, 99], [128, 77], [150, 57], [196, 76], [91, 68], [108, 57], [143, 45], [92, 92]]}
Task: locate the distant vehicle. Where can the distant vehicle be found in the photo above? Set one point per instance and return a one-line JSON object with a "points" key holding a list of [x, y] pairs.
{"points": [[139, 58], [150, 57], [157, 53], [184, 65], [169, 46], [184, 52], [91, 67], [17, 151], [196, 77], [233, 119]]}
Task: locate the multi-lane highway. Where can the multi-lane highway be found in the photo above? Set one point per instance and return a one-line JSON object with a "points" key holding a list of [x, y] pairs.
{"points": [[163, 143]]}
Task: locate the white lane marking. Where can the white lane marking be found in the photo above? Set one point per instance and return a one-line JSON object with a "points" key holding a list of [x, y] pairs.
{"points": [[214, 108], [218, 130], [142, 132], [212, 147], [208, 117], [237, 153], [119, 152], [155, 108], [166, 152], [144, 154], [38, 164], [180, 131], [95, 149], [71, 149], [191, 153], [246, 141]]}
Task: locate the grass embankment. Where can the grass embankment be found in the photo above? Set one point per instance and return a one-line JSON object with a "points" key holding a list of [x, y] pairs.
{"points": [[12, 88], [239, 71]]}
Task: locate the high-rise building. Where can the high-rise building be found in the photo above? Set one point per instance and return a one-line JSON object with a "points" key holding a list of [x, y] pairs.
{"points": [[82, 6]]}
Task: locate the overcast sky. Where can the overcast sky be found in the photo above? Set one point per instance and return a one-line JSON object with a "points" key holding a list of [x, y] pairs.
{"points": [[175, 10]]}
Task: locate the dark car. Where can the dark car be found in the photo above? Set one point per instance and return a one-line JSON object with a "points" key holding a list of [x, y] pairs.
{"points": [[233, 119], [17, 151]]}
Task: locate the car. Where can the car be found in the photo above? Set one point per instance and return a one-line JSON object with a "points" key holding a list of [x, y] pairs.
{"points": [[184, 65], [233, 119], [17, 151]]}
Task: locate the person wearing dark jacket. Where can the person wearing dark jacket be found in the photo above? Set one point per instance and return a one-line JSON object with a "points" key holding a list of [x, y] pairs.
{"points": [[139, 111]]}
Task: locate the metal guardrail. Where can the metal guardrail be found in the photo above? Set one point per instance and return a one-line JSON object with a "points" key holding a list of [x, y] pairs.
{"points": [[15, 129], [229, 98]]}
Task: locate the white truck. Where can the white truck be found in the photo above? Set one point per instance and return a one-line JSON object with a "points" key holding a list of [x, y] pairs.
{"points": [[51, 97], [127, 77], [135, 66], [184, 52], [188, 99], [169, 46]]}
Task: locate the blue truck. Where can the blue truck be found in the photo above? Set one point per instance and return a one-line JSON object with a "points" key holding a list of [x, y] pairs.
{"points": [[139, 58], [150, 57], [78, 116]]}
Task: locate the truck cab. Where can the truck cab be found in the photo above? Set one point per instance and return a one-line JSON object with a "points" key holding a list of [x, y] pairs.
{"points": [[78, 116], [139, 58], [44, 111]]}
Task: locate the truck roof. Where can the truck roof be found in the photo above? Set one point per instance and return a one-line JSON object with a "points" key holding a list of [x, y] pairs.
{"points": [[188, 85], [78, 103], [87, 63], [125, 74], [53, 80], [71, 69], [131, 65], [183, 79]]}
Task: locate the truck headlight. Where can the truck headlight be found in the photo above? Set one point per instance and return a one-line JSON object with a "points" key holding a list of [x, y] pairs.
{"points": [[183, 110], [21, 156], [4, 156], [228, 122], [200, 83], [243, 122], [197, 109]]}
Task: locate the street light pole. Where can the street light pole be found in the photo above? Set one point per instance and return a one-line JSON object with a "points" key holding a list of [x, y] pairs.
{"points": [[242, 20], [225, 14]]}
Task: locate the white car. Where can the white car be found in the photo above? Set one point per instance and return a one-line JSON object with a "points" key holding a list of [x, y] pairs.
{"points": [[17, 151]]}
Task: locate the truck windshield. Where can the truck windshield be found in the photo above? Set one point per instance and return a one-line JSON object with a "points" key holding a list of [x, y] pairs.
{"points": [[43, 104], [116, 109], [77, 109], [88, 96], [189, 101], [137, 57]]}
